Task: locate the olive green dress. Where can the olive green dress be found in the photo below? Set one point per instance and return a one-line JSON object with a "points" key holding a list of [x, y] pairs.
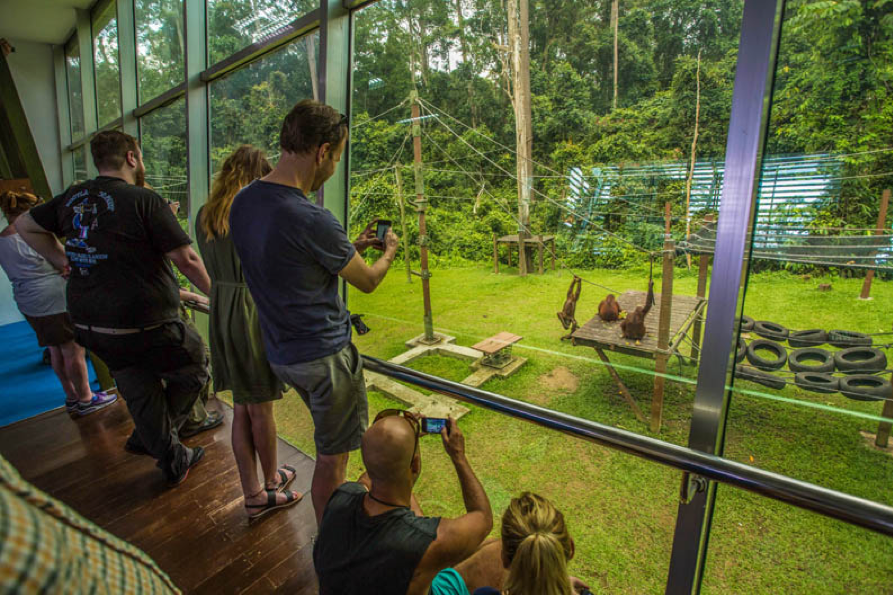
{"points": [[238, 358]]}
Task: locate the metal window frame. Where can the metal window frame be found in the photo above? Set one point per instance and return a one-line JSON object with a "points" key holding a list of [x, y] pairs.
{"points": [[748, 123], [256, 51]]}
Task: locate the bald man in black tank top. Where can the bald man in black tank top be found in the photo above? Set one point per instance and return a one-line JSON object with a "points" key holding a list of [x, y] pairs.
{"points": [[375, 539]]}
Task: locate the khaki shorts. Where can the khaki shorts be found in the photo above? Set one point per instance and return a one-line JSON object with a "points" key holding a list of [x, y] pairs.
{"points": [[334, 390]]}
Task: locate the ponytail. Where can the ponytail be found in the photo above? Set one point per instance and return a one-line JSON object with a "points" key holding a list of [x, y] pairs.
{"points": [[537, 544], [13, 203]]}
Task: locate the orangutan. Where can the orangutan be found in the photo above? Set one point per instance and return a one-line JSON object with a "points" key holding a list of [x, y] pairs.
{"points": [[633, 326], [566, 316], [609, 310]]}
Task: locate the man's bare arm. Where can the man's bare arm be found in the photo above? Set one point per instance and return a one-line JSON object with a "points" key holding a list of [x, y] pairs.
{"points": [[43, 242], [460, 537], [191, 265], [364, 277]]}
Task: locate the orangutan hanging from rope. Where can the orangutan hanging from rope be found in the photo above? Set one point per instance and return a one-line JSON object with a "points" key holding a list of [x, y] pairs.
{"points": [[566, 316]]}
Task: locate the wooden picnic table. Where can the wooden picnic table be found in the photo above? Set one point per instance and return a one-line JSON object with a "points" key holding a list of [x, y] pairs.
{"points": [[538, 241]]}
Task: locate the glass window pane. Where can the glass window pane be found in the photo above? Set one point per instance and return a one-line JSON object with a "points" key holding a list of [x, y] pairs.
{"points": [[248, 106], [80, 163], [235, 24], [75, 94], [108, 75], [163, 142], [160, 49], [815, 414], [606, 159]]}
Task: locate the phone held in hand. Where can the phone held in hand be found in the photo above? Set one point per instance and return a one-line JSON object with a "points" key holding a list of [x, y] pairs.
{"points": [[382, 230], [433, 425]]}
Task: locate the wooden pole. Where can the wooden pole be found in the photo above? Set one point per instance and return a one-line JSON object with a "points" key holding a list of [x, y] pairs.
{"points": [[421, 205], [881, 223], [883, 431], [703, 270], [553, 253], [539, 249], [663, 336], [495, 255], [401, 201], [624, 392], [668, 222]]}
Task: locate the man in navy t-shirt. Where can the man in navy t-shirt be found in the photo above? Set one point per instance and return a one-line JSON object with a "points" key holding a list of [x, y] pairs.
{"points": [[293, 251]]}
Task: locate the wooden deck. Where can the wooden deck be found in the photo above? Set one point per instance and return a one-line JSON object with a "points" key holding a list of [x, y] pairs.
{"points": [[606, 335], [197, 532]]}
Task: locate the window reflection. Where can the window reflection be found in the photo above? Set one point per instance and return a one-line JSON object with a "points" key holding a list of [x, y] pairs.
{"points": [[163, 141], [107, 72], [248, 106], [235, 24], [79, 156], [75, 93], [160, 48]]}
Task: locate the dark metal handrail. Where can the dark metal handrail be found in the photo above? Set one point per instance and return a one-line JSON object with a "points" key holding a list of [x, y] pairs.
{"points": [[831, 503]]}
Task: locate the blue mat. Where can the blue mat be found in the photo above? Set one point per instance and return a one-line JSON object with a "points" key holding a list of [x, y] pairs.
{"points": [[27, 386]]}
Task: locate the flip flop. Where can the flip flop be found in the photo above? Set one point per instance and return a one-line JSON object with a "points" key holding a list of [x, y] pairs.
{"points": [[284, 479], [292, 498]]}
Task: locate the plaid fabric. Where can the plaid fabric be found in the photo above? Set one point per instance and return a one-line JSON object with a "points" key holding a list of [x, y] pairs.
{"points": [[45, 547]]}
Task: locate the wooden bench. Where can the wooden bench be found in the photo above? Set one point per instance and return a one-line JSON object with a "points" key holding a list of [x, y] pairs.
{"points": [[497, 349]]}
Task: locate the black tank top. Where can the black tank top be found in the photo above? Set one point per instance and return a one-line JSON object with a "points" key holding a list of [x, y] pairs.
{"points": [[357, 554]]}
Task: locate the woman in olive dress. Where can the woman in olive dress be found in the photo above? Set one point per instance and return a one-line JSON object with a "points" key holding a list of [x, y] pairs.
{"points": [[238, 358]]}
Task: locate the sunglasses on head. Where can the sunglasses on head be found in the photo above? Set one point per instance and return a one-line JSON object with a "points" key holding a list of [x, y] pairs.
{"points": [[401, 413]]}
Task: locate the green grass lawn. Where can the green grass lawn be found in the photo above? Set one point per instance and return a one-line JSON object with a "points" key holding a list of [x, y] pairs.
{"points": [[622, 509]]}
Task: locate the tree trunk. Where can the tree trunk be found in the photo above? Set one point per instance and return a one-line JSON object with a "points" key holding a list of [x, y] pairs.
{"points": [[463, 44], [519, 39], [615, 17], [311, 61], [694, 150]]}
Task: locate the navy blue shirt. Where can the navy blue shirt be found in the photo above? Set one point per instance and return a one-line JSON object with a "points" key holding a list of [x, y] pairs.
{"points": [[292, 251]]}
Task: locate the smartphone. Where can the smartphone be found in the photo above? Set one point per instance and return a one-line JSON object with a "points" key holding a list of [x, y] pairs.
{"points": [[358, 325], [433, 425], [382, 230]]}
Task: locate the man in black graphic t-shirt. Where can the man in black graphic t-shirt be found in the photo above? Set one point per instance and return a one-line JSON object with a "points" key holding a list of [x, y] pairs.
{"points": [[123, 295]]}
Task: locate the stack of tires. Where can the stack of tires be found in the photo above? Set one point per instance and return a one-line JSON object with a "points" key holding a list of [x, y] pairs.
{"points": [[857, 362]]}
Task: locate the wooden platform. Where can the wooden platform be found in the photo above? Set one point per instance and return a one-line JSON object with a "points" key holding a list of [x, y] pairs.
{"points": [[497, 342], [540, 242], [606, 335], [532, 240], [197, 532]]}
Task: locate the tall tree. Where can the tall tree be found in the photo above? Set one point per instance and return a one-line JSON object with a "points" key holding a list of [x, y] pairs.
{"points": [[615, 19]]}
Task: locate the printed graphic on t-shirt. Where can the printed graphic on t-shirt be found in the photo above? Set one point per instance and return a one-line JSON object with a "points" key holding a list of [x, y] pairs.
{"points": [[88, 209]]}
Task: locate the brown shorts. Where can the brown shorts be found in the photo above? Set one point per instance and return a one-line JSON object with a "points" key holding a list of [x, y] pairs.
{"points": [[52, 330]]}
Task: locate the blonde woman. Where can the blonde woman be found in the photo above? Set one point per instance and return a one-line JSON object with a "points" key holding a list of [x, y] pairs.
{"points": [[39, 292], [238, 358], [536, 548]]}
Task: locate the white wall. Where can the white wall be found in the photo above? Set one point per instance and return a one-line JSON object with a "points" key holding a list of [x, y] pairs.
{"points": [[32, 70]]}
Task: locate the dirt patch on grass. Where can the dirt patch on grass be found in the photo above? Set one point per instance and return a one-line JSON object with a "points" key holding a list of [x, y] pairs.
{"points": [[870, 442], [560, 379]]}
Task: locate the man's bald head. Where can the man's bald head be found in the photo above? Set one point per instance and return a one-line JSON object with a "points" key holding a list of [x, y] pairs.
{"points": [[388, 447]]}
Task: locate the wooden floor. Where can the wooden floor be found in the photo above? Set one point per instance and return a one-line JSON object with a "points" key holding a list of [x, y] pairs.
{"points": [[197, 532], [607, 335]]}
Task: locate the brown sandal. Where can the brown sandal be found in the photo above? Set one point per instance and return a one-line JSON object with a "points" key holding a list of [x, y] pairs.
{"points": [[291, 498]]}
